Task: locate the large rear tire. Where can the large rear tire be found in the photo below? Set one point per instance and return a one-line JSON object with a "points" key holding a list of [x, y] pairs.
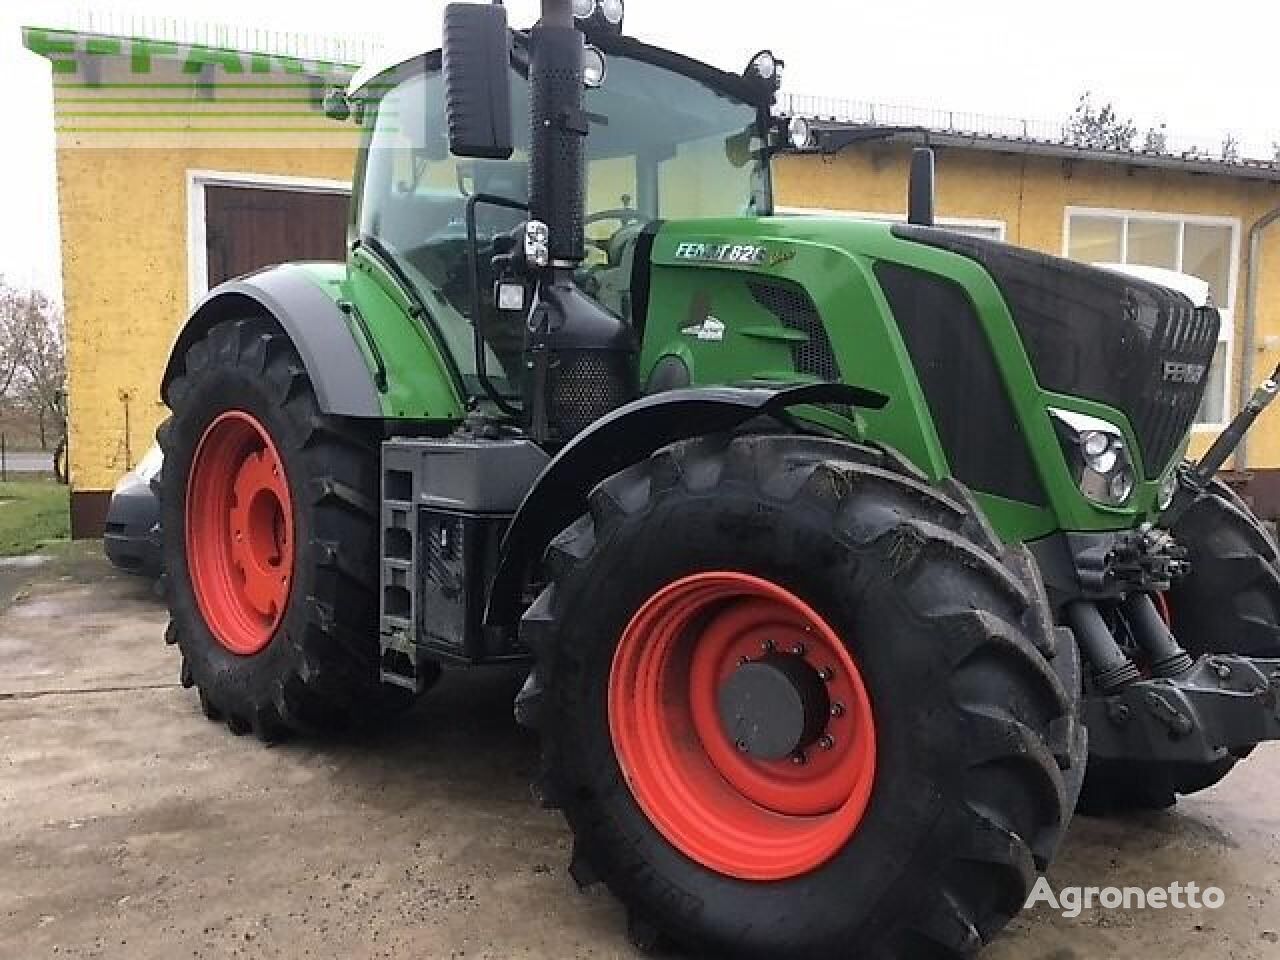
{"points": [[916, 816], [1228, 603], [269, 512]]}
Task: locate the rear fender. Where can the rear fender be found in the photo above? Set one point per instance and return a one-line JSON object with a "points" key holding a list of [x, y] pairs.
{"points": [[625, 437], [314, 323]]}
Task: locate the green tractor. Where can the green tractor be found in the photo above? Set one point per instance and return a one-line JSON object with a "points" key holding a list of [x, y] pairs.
{"points": [[837, 553]]}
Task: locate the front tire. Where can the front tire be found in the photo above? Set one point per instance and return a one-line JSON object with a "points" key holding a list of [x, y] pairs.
{"points": [[270, 541], [918, 831], [1230, 602]]}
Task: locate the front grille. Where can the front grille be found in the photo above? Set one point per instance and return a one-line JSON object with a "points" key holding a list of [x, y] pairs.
{"points": [[795, 310], [1165, 409], [959, 375]]}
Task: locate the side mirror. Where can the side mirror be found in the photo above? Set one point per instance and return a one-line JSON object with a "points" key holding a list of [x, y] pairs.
{"points": [[920, 188], [477, 66]]}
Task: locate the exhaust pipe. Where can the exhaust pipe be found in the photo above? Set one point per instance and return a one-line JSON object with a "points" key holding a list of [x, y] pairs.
{"points": [[557, 168]]}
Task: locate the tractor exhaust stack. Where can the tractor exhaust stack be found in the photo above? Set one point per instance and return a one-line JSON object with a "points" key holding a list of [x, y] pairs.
{"points": [[560, 126]]}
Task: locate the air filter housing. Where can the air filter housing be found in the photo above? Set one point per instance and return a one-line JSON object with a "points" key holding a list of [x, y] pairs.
{"points": [[581, 361]]}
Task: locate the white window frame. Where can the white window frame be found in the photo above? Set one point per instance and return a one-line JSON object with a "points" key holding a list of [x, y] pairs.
{"points": [[198, 228], [1226, 335], [999, 227]]}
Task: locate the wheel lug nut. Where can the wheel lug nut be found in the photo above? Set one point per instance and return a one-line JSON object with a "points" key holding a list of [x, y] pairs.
{"points": [[837, 709], [743, 661], [767, 646], [826, 741], [827, 674], [799, 759], [798, 650]]}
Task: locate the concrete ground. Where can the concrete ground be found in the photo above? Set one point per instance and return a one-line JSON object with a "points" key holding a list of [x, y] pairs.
{"points": [[131, 827]]}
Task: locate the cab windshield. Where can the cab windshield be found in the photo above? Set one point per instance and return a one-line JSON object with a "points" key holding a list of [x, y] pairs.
{"points": [[673, 147]]}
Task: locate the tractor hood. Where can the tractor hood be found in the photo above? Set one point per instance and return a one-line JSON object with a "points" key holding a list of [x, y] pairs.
{"points": [[1100, 334]]}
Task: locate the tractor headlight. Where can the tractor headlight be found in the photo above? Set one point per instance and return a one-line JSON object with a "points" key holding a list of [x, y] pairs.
{"points": [[800, 132], [765, 68], [599, 16], [595, 68], [1098, 455], [612, 10]]}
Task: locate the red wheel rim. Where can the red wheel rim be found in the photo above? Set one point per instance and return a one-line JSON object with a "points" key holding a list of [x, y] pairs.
{"points": [[240, 547], [737, 814]]}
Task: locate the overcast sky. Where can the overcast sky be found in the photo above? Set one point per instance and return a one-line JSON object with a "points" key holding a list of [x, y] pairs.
{"points": [[1205, 69]]}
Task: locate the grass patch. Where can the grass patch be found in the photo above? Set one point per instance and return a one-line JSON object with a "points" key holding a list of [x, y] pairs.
{"points": [[31, 513]]}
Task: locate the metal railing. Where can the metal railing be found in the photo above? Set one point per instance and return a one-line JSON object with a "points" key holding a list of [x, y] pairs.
{"points": [[1157, 142]]}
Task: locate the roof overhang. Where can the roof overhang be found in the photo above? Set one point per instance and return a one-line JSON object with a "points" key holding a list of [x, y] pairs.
{"points": [[1012, 146]]}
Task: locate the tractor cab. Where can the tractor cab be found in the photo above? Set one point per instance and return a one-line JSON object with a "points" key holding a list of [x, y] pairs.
{"points": [[670, 138]]}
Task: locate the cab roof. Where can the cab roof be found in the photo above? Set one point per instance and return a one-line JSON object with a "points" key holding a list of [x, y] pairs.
{"points": [[733, 84]]}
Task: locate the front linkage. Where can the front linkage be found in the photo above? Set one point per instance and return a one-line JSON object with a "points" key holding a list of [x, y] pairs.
{"points": [[1151, 702]]}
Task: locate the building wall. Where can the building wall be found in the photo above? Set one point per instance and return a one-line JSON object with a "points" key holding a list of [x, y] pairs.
{"points": [[125, 279], [134, 121], [1031, 196]]}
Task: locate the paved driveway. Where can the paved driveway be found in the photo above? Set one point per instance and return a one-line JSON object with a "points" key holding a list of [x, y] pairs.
{"points": [[131, 827]]}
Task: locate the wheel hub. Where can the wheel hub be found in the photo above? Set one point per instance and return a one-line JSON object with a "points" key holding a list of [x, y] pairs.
{"points": [[742, 726], [240, 550], [774, 708]]}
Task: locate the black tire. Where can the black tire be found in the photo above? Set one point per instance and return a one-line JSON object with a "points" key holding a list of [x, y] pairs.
{"points": [[319, 672], [974, 725], [1228, 603]]}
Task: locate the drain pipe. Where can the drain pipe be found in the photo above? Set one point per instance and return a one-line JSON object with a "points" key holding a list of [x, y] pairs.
{"points": [[1250, 327]]}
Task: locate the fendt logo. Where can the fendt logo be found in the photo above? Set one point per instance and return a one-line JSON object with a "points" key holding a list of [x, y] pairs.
{"points": [[1184, 372], [744, 253]]}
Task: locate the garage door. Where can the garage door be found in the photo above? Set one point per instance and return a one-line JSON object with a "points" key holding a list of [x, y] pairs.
{"points": [[248, 228]]}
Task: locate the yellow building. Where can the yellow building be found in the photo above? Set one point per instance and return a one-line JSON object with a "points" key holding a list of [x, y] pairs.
{"points": [[180, 164]]}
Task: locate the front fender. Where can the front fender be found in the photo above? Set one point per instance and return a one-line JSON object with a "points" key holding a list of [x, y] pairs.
{"points": [[313, 322], [625, 437]]}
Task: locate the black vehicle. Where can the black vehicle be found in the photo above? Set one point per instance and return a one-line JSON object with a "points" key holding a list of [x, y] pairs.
{"points": [[132, 537]]}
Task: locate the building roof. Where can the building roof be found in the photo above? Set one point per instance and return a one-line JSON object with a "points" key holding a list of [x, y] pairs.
{"points": [[866, 122]]}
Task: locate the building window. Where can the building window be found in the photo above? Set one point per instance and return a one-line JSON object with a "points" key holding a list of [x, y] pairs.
{"points": [[1204, 247], [988, 229]]}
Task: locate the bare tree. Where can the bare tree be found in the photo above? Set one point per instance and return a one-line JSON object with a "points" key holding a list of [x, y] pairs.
{"points": [[1156, 140], [12, 334], [1230, 149], [42, 388], [1099, 126], [33, 359]]}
